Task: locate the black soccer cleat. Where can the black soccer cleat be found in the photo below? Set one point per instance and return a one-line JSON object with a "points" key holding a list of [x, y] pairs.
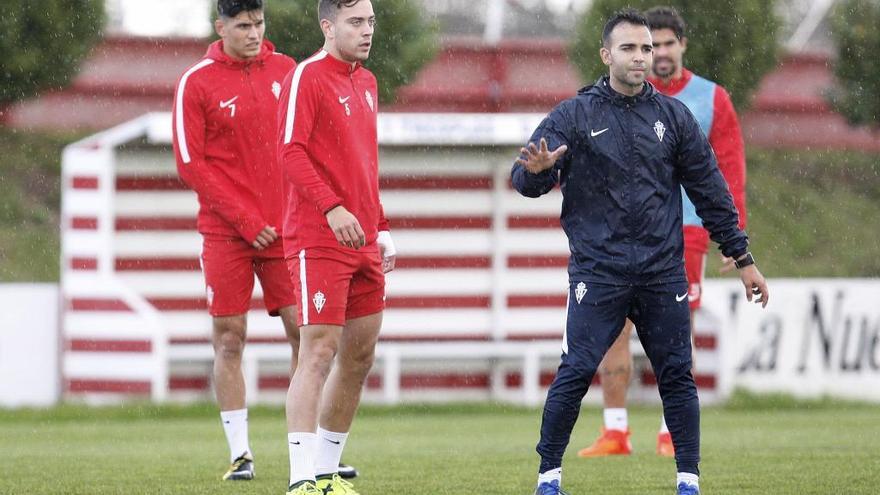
{"points": [[241, 469], [347, 472]]}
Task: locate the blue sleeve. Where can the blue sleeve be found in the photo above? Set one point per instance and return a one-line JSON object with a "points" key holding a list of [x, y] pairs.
{"points": [[705, 186], [556, 129]]}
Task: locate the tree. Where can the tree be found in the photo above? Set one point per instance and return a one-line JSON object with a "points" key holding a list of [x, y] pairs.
{"points": [[732, 42], [405, 40], [855, 31], [44, 42]]}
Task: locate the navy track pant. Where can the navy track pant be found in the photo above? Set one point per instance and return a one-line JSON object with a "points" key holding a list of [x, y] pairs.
{"points": [[596, 314]]}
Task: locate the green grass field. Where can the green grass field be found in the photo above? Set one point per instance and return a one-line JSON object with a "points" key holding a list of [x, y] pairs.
{"points": [[751, 446]]}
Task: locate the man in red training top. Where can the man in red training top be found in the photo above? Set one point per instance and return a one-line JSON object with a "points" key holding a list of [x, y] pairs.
{"points": [[711, 105], [336, 239], [224, 123], [224, 141]]}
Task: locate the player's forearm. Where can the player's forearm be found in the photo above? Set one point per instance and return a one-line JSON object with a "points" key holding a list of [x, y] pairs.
{"points": [[532, 185], [221, 198], [301, 173]]}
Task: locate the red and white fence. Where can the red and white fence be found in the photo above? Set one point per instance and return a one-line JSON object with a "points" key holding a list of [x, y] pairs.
{"points": [[481, 270]]}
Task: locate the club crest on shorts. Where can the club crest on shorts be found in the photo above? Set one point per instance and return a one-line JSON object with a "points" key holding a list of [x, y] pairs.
{"points": [[580, 291], [319, 300], [660, 130], [369, 97]]}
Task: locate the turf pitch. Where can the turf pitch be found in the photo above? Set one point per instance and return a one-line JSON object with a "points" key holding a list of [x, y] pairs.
{"points": [[751, 446]]}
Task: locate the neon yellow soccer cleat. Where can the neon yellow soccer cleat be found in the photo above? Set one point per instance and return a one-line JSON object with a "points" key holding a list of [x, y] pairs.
{"points": [[335, 485], [306, 488]]}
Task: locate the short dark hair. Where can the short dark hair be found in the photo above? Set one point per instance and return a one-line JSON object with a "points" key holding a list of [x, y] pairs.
{"points": [[666, 18], [327, 9], [231, 8], [629, 16]]}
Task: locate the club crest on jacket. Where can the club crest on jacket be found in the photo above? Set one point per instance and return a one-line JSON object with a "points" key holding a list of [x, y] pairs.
{"points": [[660, 130], [369, 97]]}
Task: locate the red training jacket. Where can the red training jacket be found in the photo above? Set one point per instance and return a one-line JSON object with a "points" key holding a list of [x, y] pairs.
{"points": [[224, 140], [711, 105], [328, 150]]}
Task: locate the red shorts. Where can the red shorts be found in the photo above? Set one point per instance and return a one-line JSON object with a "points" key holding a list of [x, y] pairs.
{"points": [[334, 285], [695, 268], [229, 266]]}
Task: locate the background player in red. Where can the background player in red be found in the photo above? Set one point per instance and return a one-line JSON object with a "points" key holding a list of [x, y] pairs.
{"points": [[336, 239], [711, 105], [224, 129]]}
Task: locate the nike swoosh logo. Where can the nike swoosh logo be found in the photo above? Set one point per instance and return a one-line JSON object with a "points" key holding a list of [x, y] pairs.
{"points": [[594, 133], [333, 441], [294, 443], [224, 104], [681, 297], [343, 100]]}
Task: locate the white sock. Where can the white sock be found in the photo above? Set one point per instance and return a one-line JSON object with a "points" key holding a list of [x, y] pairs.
{"points": [[302, 456], [663, 427], [330, 445], [616, 418], [553, 474], [235, 424], [689, 479]]}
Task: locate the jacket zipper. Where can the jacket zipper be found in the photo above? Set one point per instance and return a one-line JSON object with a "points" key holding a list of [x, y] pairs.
{"points": [[630, 175]]}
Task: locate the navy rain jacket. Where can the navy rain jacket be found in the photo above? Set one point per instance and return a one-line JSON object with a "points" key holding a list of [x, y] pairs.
{"points": [[620, 178]]}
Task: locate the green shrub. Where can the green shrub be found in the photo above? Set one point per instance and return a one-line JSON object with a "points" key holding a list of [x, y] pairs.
{"points": [[856, 31], [43, 43], [732, 42], [404, 39]]}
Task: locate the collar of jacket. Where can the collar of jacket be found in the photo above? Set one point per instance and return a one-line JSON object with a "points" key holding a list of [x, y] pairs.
{"points": [[341, 66], [216, 53], [602, 88]]}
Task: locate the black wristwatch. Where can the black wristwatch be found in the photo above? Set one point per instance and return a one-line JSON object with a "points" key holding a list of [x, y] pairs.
{"points": [[744, 261]]}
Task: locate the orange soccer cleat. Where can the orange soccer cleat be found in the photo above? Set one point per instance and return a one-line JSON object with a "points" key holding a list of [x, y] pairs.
{"points": [[611, 442], [664, 445]]}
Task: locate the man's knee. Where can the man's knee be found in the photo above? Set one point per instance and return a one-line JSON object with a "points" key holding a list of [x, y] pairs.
{"points": [[575, 375], [358, 363], [319, 357], [675, 378], [229, 337]]}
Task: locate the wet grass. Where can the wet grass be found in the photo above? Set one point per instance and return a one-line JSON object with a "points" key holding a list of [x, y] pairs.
{"points": [[756, 445]]}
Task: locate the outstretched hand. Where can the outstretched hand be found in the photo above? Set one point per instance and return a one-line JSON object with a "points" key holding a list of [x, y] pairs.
{"points": [[537, 159]]}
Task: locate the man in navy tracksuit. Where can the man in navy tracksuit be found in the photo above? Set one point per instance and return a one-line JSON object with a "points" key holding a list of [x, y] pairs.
{"points": [[620, 151]]}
